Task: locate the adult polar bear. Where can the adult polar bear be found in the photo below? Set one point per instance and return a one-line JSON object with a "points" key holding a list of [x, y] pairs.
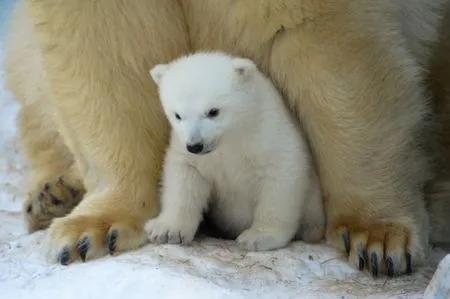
{"points": [[350, 70]]}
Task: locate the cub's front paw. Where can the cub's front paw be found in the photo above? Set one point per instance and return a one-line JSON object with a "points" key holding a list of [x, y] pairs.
{"points": [[311, 233], [173, 231], [391, 248], [262, 239]]}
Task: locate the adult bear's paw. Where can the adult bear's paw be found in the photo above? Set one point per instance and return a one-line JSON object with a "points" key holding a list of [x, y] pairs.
{"points": [[80, 235], [393, 247], [49, 200]]}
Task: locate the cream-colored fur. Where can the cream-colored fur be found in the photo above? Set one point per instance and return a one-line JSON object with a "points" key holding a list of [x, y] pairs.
{"points": [[350, 70], [126, 179], [50, 159]]}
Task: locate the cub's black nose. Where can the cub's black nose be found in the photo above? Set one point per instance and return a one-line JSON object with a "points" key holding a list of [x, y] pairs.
{"points": [[195, 148]]}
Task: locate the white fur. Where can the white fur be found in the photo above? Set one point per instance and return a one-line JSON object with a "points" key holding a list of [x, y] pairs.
{"points": [[254, 173]]}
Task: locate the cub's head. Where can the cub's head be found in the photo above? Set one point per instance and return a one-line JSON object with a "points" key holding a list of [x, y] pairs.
{"points": [[207, 97]]}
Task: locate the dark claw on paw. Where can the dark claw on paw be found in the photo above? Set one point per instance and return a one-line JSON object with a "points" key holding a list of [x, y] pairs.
{"points": [[82, 247], [390, 267], [111, 241], [64, 256], [346, 238], [46, 186], [361, 263], [408, 263], [361, 254], [374, 264]]}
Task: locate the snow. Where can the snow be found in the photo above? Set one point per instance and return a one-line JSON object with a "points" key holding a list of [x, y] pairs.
{"points": [[209, 268], [439, 286]]}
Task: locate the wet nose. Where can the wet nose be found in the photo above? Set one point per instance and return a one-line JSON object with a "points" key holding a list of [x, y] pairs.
{"points": [[195, 148]]}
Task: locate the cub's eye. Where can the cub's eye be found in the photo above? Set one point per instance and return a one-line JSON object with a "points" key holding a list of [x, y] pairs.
{"points": [[177, 116], [212, 113]]}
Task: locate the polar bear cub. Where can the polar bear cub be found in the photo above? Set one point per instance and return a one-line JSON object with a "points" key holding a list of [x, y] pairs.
{"points": [[236, 153]]}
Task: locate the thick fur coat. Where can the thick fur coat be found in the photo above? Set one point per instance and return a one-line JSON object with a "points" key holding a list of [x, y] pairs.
{"points": [[235, 152]]}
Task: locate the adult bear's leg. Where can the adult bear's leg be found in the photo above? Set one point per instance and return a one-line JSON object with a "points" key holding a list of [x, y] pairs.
{"points": [[54, 185], [358, 92], [97, 55]]}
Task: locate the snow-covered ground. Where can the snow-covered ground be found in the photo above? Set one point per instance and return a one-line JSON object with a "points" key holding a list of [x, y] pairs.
{"points": [[207, 269]]}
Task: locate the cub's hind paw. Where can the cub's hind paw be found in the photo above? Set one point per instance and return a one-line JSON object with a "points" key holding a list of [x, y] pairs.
{"points": [[312, 234], [51, 200], [262, 240]]}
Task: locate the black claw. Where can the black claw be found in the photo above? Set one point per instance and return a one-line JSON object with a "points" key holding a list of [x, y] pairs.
{"points": [[390, 267], [361, 255], [29, 209], [83, 247], [361, 263], [64, 256], [408, 263], [374, 264], [46, 186], [111, 241], [346, 237]]}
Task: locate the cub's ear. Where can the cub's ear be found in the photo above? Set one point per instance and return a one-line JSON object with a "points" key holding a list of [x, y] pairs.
{"points": [[157, 72], [244, 67]]}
